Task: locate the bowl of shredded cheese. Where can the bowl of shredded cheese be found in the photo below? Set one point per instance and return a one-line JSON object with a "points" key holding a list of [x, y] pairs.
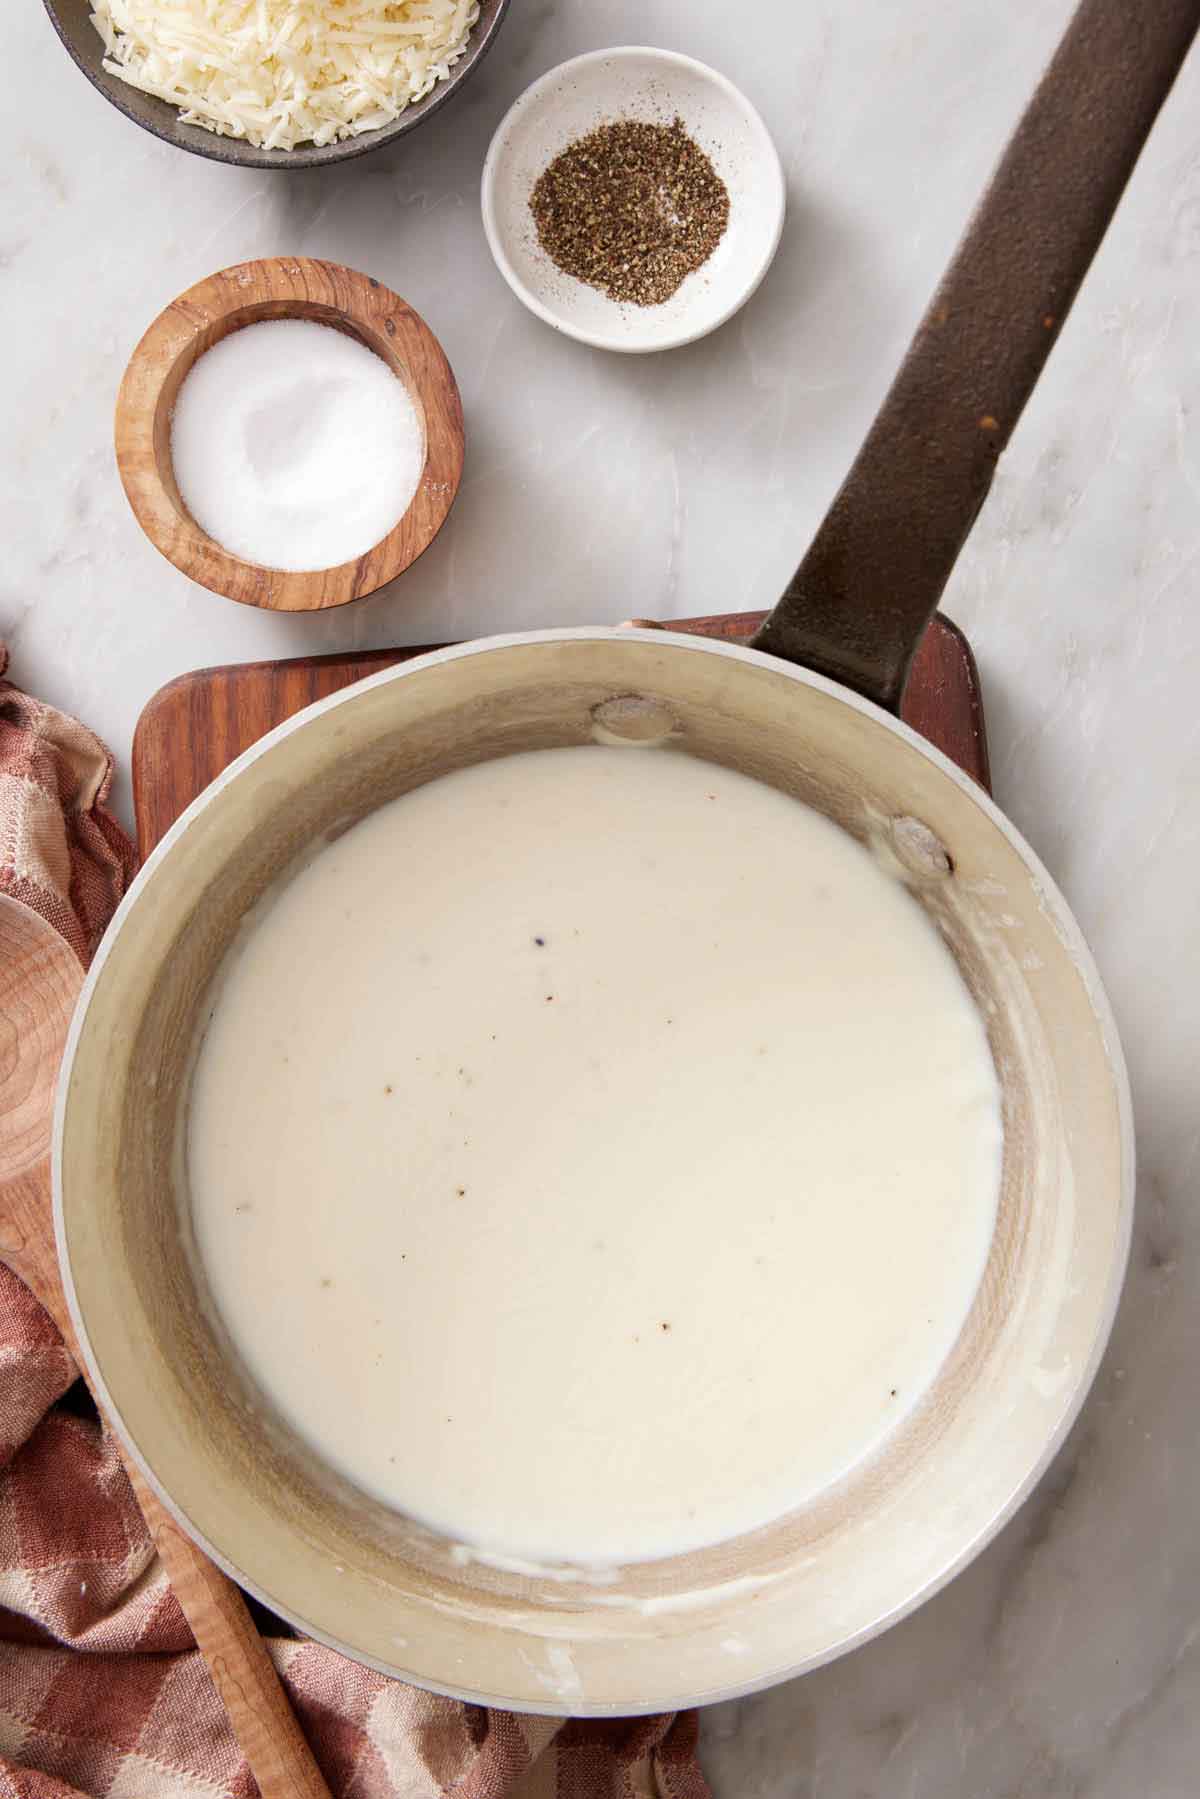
{"points": [[277, 83]]}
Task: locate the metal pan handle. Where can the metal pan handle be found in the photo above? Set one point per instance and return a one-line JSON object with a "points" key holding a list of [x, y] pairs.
{"points": [[857, 605]]}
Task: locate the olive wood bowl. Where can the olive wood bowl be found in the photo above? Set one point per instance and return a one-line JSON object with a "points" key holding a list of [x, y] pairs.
{"points": [[284, 287]]}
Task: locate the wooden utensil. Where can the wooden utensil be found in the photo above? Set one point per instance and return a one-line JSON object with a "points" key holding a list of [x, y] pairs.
{"points": [[40, 980], [284, 287]]}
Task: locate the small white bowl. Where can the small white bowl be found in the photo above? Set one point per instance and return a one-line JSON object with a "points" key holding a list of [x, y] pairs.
{"points": [[658, 86]]}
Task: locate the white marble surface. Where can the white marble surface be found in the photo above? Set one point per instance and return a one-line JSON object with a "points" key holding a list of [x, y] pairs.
{"points": [[1066, 1662]]}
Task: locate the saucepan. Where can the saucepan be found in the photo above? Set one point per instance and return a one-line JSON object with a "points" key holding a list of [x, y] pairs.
{"points": [[808, 707]]}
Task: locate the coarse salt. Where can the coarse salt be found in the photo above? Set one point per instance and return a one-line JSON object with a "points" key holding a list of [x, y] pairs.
{"points": [[294, 446]]}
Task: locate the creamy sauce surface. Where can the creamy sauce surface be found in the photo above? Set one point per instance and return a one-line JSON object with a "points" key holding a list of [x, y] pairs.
{"points": [[594, 1153]]}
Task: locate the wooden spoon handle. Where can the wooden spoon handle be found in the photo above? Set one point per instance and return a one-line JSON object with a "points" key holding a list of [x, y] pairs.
{"points": [[242, 1671]]}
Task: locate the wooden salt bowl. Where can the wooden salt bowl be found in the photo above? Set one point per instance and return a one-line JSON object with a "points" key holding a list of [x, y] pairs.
{"points": [[284, 287]]}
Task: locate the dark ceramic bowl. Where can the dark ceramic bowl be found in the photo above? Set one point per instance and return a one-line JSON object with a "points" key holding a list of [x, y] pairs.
{"points": [[71, 19]]}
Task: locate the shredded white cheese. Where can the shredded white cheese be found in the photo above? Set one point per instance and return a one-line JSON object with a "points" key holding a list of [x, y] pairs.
{"points": [[285, 72]]}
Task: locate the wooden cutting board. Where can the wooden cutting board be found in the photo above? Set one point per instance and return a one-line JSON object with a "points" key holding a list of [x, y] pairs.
{"points": [[197, 724]]}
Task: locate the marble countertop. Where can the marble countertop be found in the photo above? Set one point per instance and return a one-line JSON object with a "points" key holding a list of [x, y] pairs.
{"points": [[1066, 1660]]}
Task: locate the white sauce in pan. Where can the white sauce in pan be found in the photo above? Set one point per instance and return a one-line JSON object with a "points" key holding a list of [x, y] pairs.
{"points": [[594, 1153]]}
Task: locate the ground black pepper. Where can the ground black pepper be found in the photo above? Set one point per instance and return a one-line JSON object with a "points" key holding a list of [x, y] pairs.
{"points": [[632, 209]]}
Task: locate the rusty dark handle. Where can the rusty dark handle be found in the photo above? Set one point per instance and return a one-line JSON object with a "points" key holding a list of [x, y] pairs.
{"points": [[857, 605]]}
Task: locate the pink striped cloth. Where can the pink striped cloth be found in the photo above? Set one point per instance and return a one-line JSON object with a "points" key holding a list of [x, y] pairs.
{"points": [[102, 1691]]}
